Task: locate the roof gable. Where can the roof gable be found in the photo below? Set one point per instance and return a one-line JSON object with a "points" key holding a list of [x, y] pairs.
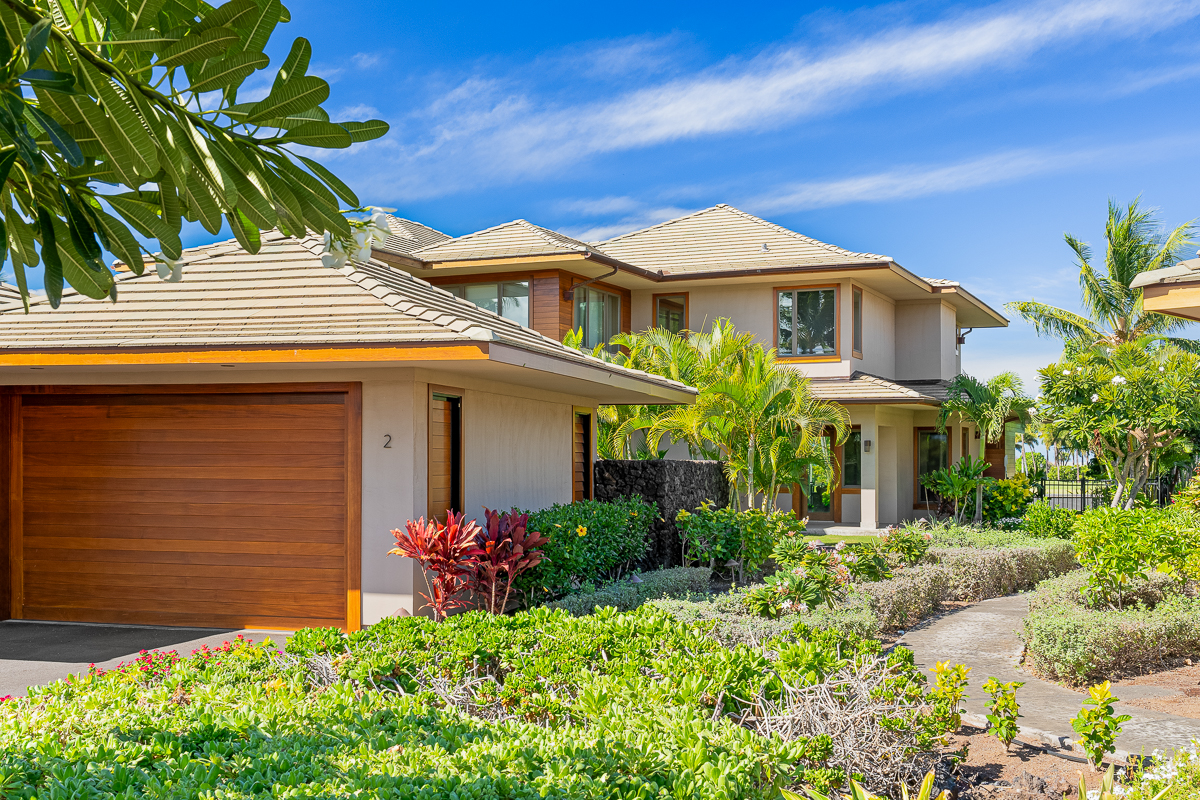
{"points": [[512, 239], [407, 236], [724, 238]]}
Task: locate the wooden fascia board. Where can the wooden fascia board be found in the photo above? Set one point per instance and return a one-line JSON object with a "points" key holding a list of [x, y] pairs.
{"points": [[162, 356], [1177, 299]]}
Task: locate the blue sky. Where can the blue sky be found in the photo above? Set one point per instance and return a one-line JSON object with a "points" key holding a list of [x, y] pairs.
{"points": [[962, 140]]}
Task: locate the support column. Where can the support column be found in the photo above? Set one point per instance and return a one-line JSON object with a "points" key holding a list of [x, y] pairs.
{"points": [[869, 493]]}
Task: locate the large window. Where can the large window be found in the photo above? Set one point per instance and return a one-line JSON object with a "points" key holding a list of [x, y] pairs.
{"points": [[933, 453], [509, 299], [807, 322], [670, 311], [598, 314]]}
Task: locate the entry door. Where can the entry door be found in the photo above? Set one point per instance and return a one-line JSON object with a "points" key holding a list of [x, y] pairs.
{"points": [[445, 455], [819, 496]]}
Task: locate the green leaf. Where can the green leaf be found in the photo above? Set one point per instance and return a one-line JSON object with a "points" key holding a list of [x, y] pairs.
{"points": [[201, 201], [218, 182], [144, 219], [228, 71], [233, 14], [319, 134], [253, 194], [50, 256], [20, 238], [125, 124], [61, 139], [50, 80], [299, 94], [142, 10], [36, 39], [144, 40], [244, 230], [121, 242], [116, 157], [169, 202], [93, 283], [333, 181], [82, 235], [289, 212], [295, 120], [256, 35], [366, 131], [198, 47], [296, 64], [7, 159]]}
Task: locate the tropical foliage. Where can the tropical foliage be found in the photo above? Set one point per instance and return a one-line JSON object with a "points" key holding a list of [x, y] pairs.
{"points": [[1133, 406], [1113, 314], [124, 117], [752, 413]]}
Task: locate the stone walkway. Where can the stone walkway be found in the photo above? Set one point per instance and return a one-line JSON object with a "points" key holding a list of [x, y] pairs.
{"points": [[985, 637]]}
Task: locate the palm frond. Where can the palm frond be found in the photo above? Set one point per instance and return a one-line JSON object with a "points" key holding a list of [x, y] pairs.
{"points": [[1052, 321]]}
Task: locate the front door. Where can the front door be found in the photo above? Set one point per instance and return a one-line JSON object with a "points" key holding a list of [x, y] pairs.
{"points": [[818, 496]]}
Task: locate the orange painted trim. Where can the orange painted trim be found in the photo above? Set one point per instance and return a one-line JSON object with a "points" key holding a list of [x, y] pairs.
{"points": [[354, 530], [291, 355]]}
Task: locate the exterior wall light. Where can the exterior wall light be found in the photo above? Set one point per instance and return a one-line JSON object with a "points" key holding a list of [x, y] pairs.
{"points": [[866, 445]]}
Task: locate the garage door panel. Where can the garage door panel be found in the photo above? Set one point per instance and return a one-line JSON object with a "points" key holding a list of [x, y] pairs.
{"points": [[223, 531], [195, 509], [152, 557]]}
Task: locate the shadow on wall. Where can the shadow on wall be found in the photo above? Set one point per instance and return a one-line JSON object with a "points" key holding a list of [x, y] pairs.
{"points": [[673, 486]]}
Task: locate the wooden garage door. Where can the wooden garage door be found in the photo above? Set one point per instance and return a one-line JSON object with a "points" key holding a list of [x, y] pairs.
{"points": [[192, 508]]}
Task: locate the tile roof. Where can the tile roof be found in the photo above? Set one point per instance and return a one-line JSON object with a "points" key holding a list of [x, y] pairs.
{"points": [[1181, 272], [282, 295], [512, 239], [9, 292], [930, 388], [862, 387], [724, 238], [408, 236]]}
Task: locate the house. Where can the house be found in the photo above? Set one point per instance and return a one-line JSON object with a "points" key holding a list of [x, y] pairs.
{"points": [[871, 335], [233, 450], [1173, 290]]}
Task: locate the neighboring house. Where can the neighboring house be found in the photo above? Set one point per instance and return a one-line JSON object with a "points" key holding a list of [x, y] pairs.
{"points": [[1172, 290], [232, 450], [871, 335]]}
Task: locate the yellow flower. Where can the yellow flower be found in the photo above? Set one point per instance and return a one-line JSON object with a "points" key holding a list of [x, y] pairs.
{"points": [[582, 531]]}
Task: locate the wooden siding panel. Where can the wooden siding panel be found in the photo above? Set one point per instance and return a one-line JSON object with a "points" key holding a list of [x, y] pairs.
{"points": [[193, 509]]}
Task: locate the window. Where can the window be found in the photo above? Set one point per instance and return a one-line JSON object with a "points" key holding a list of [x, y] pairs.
{"points": [[852, 460], [670, 311], [858, 322], [933, 453], [966, 444], [598, 314], [807, 322], [510, 299]]}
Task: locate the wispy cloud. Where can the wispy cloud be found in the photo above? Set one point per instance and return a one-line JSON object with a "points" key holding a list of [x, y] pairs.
{"points": [[489, 130]]}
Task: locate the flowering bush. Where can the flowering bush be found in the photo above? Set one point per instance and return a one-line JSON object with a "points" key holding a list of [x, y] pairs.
{"points": [[909, 542]]}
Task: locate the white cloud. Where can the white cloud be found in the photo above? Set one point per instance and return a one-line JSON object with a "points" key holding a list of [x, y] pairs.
{"points": [[358, 112], [367, 60], [489, 130]]}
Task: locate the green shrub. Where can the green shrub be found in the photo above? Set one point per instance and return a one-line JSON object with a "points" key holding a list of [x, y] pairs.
{"points": [[1068, 641], [716, 536], [1115, 546], [979, 574], [590, 542], [625, 596], [1045, 521], [907, 598], [1008, 498], [965, 536], [909, 542]]}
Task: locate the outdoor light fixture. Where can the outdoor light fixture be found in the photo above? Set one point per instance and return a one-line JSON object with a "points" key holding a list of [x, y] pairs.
{"points": [[866, 445]]}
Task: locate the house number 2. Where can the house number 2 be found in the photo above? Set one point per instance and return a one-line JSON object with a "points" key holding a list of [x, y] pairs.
{"points": [[387, 440]]}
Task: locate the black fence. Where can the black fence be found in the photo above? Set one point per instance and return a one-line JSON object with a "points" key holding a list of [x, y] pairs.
{"points": [[1085, 493]]}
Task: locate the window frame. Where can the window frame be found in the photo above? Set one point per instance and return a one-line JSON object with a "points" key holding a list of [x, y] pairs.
{"points": [[577, 325], [917, 431], [837, 322], [856, 320], [454, 288], [654, 298]]}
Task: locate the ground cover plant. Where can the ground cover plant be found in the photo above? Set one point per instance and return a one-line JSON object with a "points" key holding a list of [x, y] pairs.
{"points": [[536, 704], [629, 593]]}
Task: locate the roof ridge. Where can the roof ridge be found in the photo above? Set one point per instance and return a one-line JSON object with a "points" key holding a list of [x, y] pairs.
{"points": [[466, 236], [422, 224], [665, 223], [549, 235]]}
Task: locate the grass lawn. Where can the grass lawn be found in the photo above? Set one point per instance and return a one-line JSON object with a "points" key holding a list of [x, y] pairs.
{"points": [[834, 538]]}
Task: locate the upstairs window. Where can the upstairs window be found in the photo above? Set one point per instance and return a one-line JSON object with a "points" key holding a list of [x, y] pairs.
{"points": [[670, 311], [509, 299], [858, 322], [807, 322], [598, 314]]}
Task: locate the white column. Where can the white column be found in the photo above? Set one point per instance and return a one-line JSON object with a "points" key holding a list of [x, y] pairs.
{"points": [[869, 493]]}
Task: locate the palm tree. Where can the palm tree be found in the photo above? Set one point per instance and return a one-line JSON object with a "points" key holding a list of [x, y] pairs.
{"points": [[1135, 243], [989, 405]]}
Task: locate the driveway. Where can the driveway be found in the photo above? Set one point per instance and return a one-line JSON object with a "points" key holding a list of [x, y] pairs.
{"points": [[35, 653]]}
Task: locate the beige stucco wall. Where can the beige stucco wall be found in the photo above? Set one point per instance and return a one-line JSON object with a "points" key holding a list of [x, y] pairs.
{"points": [[879, 336], [517, 450], [926, 334]]}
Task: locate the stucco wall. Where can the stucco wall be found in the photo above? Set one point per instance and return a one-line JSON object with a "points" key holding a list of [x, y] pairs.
{"points": [[879, 336]]}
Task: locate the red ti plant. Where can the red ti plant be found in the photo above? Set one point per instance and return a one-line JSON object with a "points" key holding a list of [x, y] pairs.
{"points": [[448, 551], [507, 549]]}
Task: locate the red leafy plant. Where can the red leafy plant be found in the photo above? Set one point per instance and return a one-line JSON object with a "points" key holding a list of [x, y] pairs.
{"points": [[507, 548], [448, 550]]}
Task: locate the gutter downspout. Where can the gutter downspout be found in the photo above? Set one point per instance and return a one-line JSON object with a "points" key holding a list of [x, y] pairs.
{"points": [[569, 294]]}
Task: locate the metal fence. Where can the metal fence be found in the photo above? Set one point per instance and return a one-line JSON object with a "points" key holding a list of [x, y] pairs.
{"points": [[1085, 493]]}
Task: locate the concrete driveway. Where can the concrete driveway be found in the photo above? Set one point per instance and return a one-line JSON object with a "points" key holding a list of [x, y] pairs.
{"points": [[35, 653]]}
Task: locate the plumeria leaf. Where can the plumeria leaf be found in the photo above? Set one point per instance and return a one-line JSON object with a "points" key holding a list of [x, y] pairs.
{"points": [[366, 131]]}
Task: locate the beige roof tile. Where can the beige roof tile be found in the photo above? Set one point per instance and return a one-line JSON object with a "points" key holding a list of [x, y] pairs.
{"points": [[9, 292], [724, 238], [407, 236], [512, 239], [862, 387], [228, 297]]}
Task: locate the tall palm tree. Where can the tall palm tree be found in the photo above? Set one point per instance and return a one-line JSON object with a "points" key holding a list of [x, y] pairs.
{"points": [[1134, 243], [989, 405]]}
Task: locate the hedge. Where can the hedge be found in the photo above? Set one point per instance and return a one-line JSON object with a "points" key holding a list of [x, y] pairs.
{"points": [[625, 596]]}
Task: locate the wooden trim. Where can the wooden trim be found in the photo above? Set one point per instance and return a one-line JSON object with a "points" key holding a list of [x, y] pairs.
{"points": [[191, 388], [491, 277], [687, 308], [12, 596], [354, 507], [862, 319], [441, 266], [108, 356], [837, 323], [589, 453]]}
